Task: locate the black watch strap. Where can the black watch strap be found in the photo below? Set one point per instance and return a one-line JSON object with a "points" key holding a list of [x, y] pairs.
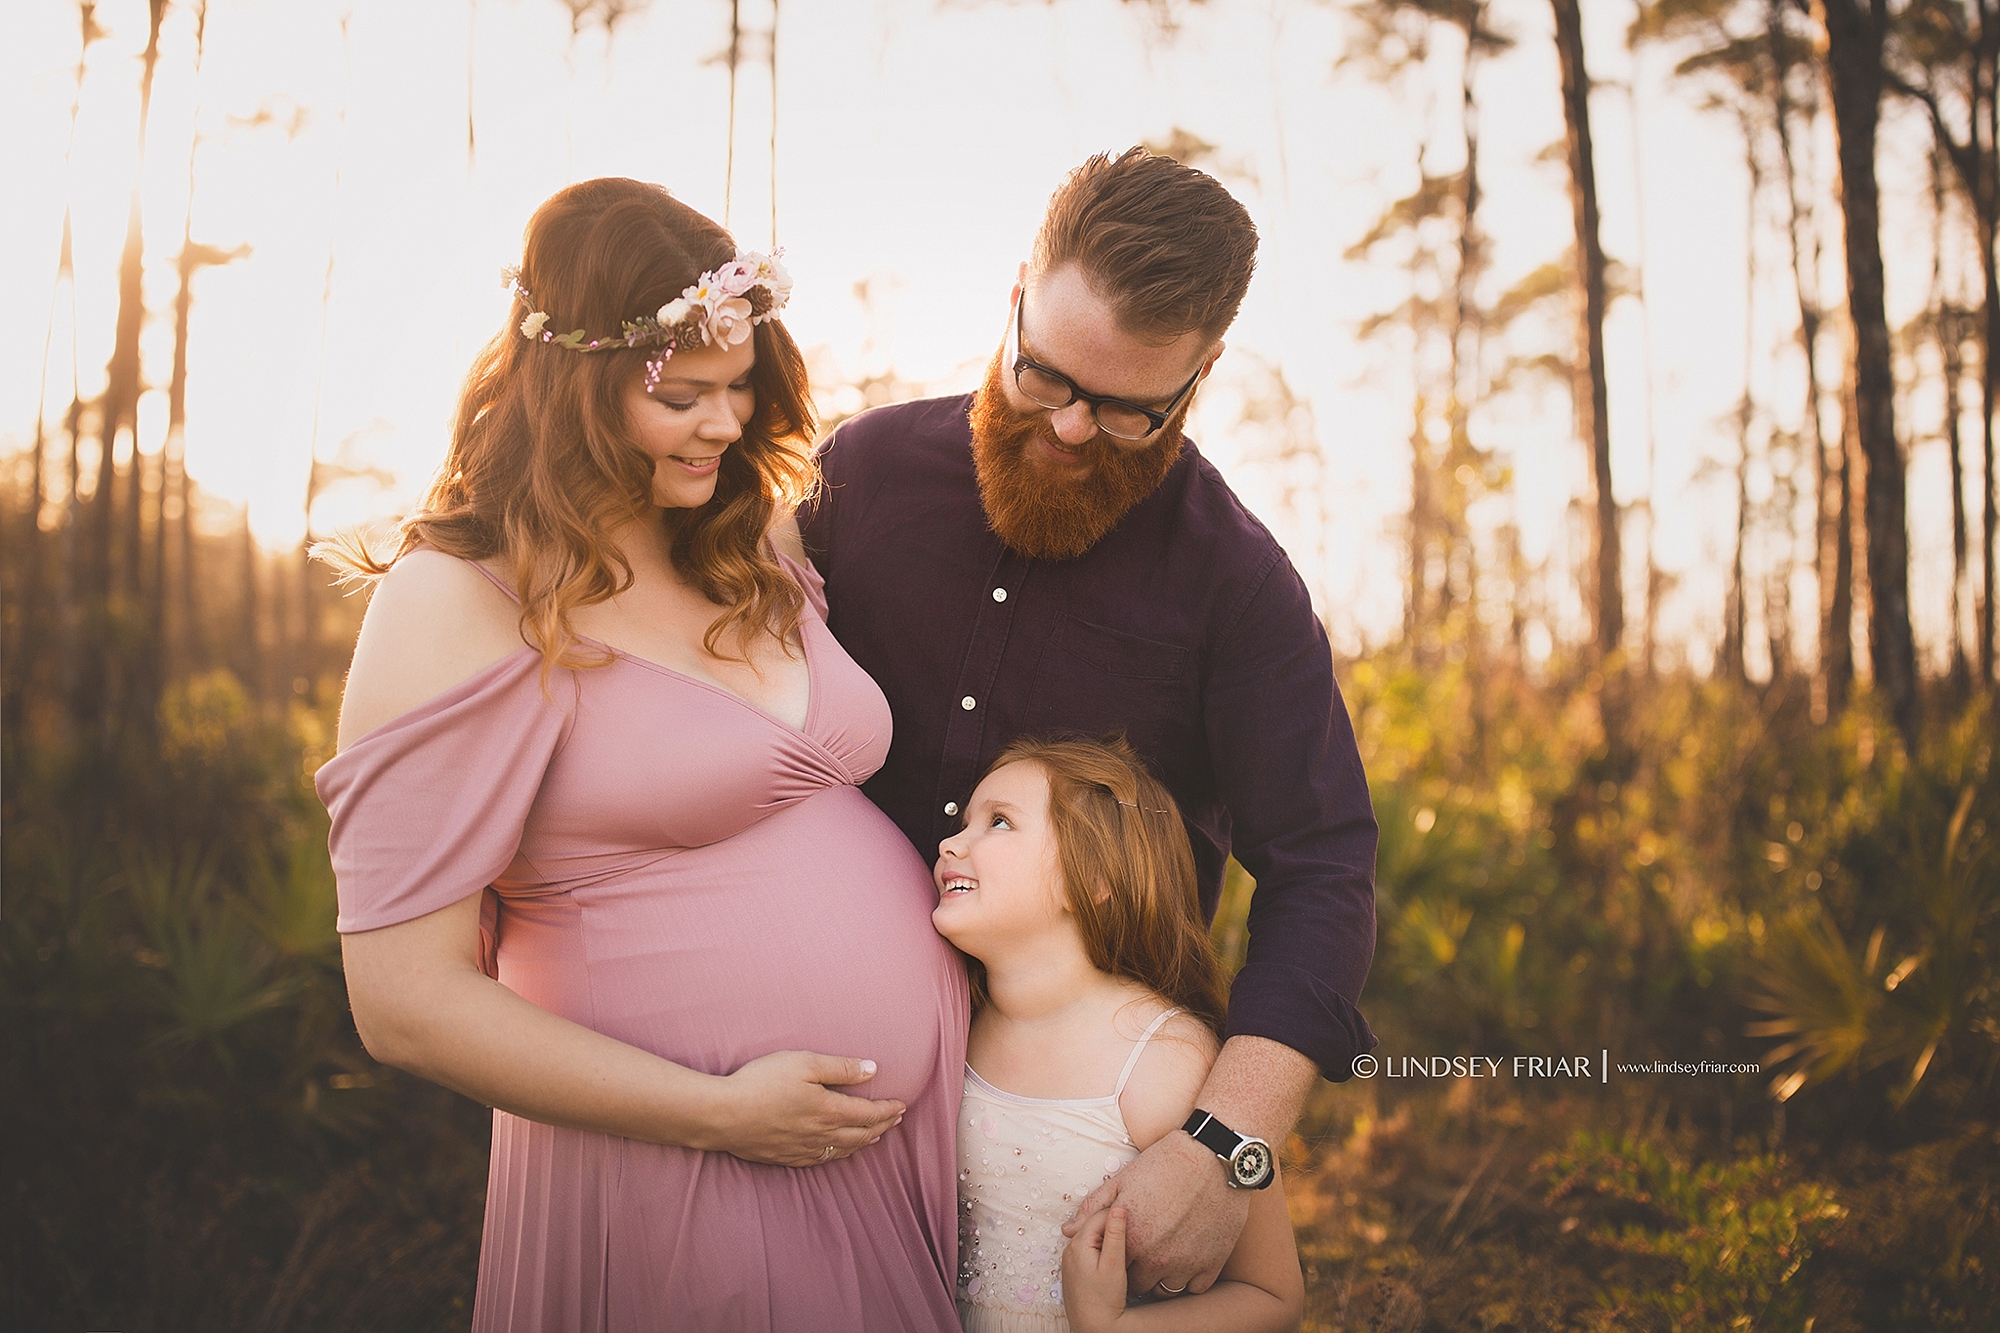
{"points": [[1248, 1160]]}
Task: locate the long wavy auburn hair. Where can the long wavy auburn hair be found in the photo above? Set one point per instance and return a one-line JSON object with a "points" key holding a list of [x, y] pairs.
{"points": [[542, 465], [1128, 872]]}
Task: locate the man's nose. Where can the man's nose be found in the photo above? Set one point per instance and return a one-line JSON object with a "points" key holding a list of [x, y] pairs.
{"points": [[1074, 424]]}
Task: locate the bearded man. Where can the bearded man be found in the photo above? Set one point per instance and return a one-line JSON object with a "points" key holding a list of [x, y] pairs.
{"points": [[1051, 555]]}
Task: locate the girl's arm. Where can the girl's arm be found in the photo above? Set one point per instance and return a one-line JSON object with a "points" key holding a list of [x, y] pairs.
{"points": [[1260, 1287], [1260, 1290]]}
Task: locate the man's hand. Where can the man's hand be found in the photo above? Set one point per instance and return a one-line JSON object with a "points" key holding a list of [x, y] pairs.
{"points": [[1093, 1273], [1184, 1218]]}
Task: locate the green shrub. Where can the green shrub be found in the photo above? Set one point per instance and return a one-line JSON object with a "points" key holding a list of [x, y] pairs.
{"points": [[1729, 1237]]}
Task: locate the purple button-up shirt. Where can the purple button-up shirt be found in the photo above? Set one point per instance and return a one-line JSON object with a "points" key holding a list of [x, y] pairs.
{"points": [[1185, 627]]}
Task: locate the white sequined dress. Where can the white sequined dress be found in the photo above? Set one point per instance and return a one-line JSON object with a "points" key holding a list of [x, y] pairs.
{"points": [[1023, 1165]]}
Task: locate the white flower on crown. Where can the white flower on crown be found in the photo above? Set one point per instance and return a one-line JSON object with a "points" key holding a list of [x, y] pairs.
{"points": [[729, 323], [706, 291], [531, 327], [674, 311], [770, 272]]}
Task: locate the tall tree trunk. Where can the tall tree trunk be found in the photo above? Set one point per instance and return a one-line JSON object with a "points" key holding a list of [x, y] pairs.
{"points": [[1976, 159], [1984, 161], [249, 623], [774, 124], [1989, 382], [1802, 234], [1736, 617], [176, 634], [1778, 580], [1855, 74], [71, 583], [95, 702], [25, 647], [131, 544], [729, 159], [1592, 419], [1416, 607], [63, 639], [1950, 335], [1846, 584], [1945, 323], [1736, 638], [1466, 334]]}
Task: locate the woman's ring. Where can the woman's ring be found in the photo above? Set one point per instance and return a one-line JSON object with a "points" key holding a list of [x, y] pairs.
{"points": [[1172, 1291], [826, 1153]]}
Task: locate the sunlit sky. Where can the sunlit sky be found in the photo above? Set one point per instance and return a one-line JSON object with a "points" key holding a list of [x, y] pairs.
{"points": [[917, 142]]}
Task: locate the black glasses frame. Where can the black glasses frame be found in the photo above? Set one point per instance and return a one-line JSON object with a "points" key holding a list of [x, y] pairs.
{"points": [[1156, 419]]}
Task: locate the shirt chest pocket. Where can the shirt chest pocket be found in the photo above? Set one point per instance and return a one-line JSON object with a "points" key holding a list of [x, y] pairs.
{"points": [[1095, 679]]}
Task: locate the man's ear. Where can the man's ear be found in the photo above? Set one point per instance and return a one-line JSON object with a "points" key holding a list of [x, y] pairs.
{"points": [[1213, 357], [1020, 280]]}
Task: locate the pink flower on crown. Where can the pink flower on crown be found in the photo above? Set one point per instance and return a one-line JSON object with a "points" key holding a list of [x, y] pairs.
{"points": [[736, 277], [729, 323]]}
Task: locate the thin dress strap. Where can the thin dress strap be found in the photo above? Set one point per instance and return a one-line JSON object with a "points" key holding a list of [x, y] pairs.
{"points": [[1139, 1049], [497, 581]]}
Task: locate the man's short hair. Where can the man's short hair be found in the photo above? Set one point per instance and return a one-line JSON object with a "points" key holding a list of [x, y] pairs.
{"points": [[1167, 245]]}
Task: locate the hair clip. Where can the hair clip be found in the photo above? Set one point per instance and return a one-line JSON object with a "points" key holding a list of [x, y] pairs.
{"points": [[1148, 809]]}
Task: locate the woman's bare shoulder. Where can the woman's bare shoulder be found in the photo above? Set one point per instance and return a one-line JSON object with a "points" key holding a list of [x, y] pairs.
{"points": [[1168, 1077], [433, 621]]}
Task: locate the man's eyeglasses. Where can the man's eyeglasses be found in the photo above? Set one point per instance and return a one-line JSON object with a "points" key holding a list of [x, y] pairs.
{"points": [[1114, 416]]}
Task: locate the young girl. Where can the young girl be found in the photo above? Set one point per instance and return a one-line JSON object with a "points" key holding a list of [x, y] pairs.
{"points": [[1098, 1004]]}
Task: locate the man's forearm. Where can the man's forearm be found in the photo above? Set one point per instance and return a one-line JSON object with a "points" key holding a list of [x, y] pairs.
{"points": [[1259, 1087]]}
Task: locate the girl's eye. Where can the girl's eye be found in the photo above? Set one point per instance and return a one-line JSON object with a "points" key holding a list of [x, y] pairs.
{"points": [[678, 407], [744, 387], [1000, 821]]}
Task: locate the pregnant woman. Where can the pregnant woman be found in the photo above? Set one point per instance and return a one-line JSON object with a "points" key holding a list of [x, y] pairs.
{"points": [[602, 858]]}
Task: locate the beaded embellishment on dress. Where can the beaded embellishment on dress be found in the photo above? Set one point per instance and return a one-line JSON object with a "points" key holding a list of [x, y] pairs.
{"points": [[1024, 1163]]}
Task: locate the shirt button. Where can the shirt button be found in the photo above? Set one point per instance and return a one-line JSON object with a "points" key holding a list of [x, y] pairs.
{"points": [[951, 807], [999, 594], [968, 703]]}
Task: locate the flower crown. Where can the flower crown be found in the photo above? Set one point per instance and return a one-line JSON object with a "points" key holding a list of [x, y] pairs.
{"points": [[717, 310]]}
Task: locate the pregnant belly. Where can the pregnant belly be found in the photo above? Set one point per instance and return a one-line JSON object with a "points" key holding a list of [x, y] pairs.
{"points": [[810, 930]]}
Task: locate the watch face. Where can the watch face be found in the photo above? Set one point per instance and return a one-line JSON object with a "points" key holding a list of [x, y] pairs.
{"points": [[1251, 1164]]}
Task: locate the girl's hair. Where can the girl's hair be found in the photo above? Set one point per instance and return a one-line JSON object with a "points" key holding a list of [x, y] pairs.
{"points": [[542, 466], [1127, 870]]}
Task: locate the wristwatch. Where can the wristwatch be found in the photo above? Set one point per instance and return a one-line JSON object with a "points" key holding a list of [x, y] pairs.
{"points": [[1248, 1160]]}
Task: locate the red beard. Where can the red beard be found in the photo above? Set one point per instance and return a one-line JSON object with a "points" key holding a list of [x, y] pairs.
{"points": [[1050, 513]]}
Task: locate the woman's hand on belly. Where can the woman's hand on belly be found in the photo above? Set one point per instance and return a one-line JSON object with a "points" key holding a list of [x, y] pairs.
{"points": [[421, 1003], [780, 1110]]}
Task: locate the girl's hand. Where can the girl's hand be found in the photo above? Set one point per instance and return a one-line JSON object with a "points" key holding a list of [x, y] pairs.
{"points": [[1093, 1273], [780, 1110]]}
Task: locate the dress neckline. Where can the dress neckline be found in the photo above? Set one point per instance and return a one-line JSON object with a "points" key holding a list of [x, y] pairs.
{"points": [[624, 655], [715, 686]]}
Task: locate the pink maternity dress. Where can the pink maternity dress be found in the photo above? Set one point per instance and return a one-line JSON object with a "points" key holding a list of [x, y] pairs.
{"points": [[673, 867]]}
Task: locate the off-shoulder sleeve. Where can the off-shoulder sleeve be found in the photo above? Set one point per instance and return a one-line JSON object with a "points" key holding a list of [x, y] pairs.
{"points": [[809, 581], [428, 808]]}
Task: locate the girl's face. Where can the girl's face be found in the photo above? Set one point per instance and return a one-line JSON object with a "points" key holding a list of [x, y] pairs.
{"points": [[999, 879], [697, 410]]}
